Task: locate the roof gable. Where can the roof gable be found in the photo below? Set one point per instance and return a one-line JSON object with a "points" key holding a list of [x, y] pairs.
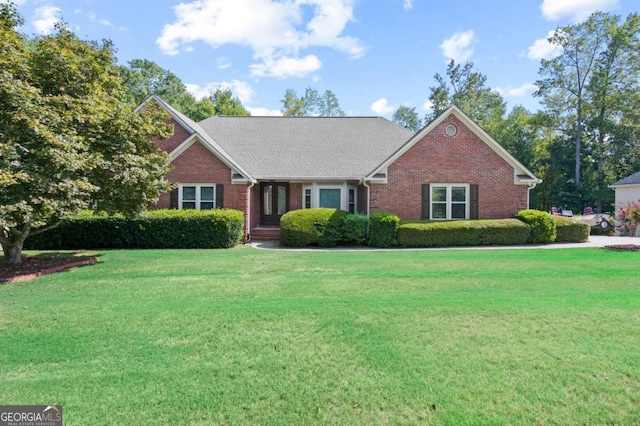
{"points": [[196, 132], [634, 179], [522, 175]]}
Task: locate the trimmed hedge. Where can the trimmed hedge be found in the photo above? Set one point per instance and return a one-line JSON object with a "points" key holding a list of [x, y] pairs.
{"points": [[462, 233], [355, 228], [383, 229], [543, 228], [220, 228], [304, 227], [571, 231]]}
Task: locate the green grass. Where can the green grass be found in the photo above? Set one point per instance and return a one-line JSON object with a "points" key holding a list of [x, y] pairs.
{"points": [[245, 336]]}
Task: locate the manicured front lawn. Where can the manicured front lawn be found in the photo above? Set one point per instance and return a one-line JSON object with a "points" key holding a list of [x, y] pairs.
{"points": [[245, 336]]}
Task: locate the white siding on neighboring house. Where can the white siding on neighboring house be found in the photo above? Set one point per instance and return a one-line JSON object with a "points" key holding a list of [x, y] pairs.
{"points": [[627, 193], [627, 190]]}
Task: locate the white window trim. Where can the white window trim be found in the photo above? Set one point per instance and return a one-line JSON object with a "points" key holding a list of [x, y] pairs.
{"points": [[198, 201], [344, 194], [467, 202]]}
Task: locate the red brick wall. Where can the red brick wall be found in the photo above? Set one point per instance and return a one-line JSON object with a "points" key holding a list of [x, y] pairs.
{"points": [[179, 136], [437, 158], [198, 165], [362, 199], [255, 205], [295, 196]]}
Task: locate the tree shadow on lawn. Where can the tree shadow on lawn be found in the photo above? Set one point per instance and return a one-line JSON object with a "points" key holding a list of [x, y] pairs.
{"points": [[36, 265]]}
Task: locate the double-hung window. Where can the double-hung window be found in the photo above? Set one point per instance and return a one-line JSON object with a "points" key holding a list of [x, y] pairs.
{"points": [[197, 196], [449, 201]]}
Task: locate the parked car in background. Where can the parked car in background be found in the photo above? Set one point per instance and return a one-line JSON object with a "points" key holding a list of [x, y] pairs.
{"points": [[601, 221], [559, 211], [598, 220]]}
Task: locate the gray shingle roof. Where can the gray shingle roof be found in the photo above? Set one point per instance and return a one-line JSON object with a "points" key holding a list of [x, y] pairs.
{"points": [[634, 179], [307, 147]]}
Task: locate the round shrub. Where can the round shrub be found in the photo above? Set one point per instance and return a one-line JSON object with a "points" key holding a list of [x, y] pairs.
{"points": [[570, 231], [541, 224], [383, 229], [355, 228], [321, 226]]}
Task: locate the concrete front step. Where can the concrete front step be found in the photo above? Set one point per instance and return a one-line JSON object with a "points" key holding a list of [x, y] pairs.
{"points": [[265, 233]]}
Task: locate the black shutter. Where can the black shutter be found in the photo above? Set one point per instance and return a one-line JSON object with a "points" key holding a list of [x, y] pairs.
{"points": [[219, 196], [426, 201], [473, 207], [173, 199]]}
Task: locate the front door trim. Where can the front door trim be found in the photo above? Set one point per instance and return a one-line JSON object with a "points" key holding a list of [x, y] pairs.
{"points": [[272, 206]]}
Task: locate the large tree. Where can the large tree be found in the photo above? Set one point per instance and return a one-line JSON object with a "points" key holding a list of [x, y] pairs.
{"points": [[310, 104], [589, 88], [407, 117], [226, 103], [467, 88], [142, 78], [68, 141], [614, 94]]}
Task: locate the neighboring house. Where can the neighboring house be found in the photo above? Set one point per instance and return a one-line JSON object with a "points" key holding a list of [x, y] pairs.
{"points": [[266, 166], [627, 189]]}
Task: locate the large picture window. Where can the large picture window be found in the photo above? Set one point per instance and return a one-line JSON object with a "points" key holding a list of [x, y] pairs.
{"points": [[330, 198], [343, 197], [449, 201], [197, 196]]}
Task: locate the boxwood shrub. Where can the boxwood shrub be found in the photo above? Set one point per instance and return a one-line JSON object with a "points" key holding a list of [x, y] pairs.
{"points": [[383, 228], [355, 228], [543, 228], [462, 233], [319, 226], [571, 231], [221, 228]]}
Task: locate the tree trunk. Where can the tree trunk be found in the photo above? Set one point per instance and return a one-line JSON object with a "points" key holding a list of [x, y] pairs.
{"points": [[12, 252], [578, 146], [12, 240], [601, 184]]}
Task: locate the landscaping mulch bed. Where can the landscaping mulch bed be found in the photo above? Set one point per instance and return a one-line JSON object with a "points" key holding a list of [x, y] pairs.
{"points": [[36, 266], [627, 247]]}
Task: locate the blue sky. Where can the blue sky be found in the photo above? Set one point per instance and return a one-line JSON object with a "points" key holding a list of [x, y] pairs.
{"points": [[373, 54]]}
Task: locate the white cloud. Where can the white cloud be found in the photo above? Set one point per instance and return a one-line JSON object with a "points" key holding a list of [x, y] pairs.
{"points": [[241, 89], [542, 49], [382, 107], [457, 47], [408, 4], [276, 31], [286, 67], [45, 18], [427, 105], [578, 10], [223, 63], [94, 18], [518, 92], [264, 112]]}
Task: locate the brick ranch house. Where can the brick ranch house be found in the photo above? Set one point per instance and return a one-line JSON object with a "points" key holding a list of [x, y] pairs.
{"points": [[266, 166]]}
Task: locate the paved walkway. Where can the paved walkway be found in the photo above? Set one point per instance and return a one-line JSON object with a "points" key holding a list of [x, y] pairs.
{"points": [[594, 241]]}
